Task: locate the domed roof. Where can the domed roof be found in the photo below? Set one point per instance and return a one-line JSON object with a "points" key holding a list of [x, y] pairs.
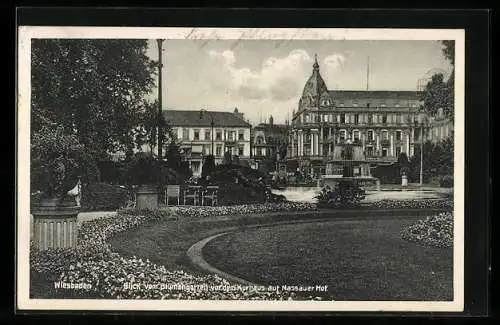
{"points": [[315, 86]]}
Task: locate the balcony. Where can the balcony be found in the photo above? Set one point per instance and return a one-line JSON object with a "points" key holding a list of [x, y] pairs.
{"points": [[385, 143], [387, 159]]}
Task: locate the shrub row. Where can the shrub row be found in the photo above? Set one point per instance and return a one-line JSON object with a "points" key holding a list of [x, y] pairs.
{"points": [[434, 231], [93, 263]]}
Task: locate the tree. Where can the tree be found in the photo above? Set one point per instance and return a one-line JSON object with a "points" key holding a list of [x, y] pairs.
{"points": [[92, 87], [440, 93]]}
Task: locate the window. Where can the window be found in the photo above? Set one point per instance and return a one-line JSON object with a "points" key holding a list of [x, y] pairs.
{"points": [[207, 135], [355, 103], [240, 150], [259, 151], [356, 118], [229, 149], [370, 118], [370, 135], [218, 150], [398, 136], [185, 134], [342, 135], [384, 152], [382, 103], [260, 140], [206, 150], [385, 135], [384, 118], [230, 135], [355, 135], [196, 134], [218, 135], [342, 118], [398, 151], [241, 135], [369, 151]]}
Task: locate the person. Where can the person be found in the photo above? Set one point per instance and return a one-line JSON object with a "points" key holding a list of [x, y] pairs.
{"points": [[76, 192]]}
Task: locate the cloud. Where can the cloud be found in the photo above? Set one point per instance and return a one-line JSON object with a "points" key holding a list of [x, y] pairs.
{"points": [[274, 87], [334, 61], [278, 78]]}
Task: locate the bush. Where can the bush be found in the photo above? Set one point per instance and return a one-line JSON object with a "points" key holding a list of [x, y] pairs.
{"points": [[347, 193], [434, 231], [57, 160], [102, 196], [143, 169], [446, 181]]}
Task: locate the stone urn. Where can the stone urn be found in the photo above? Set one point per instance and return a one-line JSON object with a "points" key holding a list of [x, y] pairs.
{"points": [[54, 223], [147, 197], [404, 181]]}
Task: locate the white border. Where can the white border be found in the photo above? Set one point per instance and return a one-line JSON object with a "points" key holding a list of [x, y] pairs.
{"points": [[23, 173]]}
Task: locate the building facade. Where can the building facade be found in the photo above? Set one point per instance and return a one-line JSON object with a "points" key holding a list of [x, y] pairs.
{"points": [[269, 144], [198, 137], [384, 123]]}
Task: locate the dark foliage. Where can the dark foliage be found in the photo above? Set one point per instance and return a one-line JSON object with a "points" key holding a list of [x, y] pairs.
{"points": [[347, 193], [92, 86], [57, 161], [446, 181]]}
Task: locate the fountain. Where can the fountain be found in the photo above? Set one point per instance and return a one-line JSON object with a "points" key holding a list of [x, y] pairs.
{"points": [[348, 162]]}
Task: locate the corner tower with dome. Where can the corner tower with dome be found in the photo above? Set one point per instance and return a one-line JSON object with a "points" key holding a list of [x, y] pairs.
{"points": [[382, 124]]}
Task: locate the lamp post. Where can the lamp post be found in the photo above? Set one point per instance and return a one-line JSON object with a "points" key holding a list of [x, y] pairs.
{"points": [[422, 123], [160, 116], [212, 125]]}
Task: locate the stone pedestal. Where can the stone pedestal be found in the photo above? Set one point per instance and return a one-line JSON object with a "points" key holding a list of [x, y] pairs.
{"points": [[147, 197], [54, 224]]}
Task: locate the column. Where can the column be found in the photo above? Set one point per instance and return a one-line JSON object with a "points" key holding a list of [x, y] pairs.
{"points": [[408, 144], [392, 144], [301, 142], [321, 143], [377, 148], [412, 139], [293, 144], [312, 143]]}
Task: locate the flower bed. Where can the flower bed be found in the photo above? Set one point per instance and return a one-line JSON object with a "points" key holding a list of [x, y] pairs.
{"points": [[94, 266], [434, 231], [411, 204]]}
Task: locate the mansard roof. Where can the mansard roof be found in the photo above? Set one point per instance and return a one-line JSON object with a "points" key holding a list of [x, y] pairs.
{"points": [[193, 118], [374, 94]]}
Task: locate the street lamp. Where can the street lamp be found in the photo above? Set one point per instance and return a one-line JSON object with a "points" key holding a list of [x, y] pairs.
{"points": [[212, 125], [422, 122], [160, 117]]}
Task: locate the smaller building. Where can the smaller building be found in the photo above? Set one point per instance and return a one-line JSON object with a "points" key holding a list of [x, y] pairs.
{"points": [[201, 133], [269, 145]]}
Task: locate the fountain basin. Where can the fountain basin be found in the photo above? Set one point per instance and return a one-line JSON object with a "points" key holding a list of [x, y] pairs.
{"points": [[364, 181]]}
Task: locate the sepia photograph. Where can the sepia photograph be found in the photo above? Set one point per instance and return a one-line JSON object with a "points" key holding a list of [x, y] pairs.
{"points": [[240, 169]]}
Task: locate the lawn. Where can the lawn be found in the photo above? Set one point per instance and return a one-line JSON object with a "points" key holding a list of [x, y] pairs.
{"points": [[357, 259]]}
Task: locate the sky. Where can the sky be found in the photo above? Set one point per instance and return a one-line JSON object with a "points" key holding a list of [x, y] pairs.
{"points": [[266, 77]]}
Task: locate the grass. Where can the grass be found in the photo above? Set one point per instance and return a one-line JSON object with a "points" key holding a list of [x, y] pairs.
{"points": [[357, 259]]}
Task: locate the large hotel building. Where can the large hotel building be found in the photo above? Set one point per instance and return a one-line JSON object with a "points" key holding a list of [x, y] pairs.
{"points": [[384, 123]]}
